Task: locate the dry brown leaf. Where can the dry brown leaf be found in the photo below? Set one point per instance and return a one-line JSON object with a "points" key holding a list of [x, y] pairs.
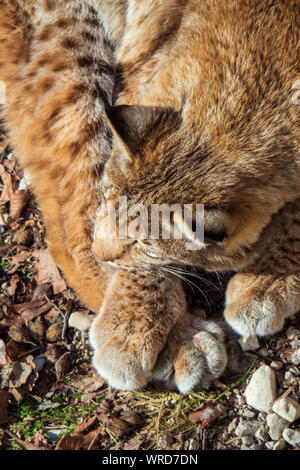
{"points": [[88, 384], [131, 417], [79, 442], [207, 413], [82, 438], [20, 313], [4, 399], [18, 202], [8, 185], [48, 271], [62, 366], [17, 261]]}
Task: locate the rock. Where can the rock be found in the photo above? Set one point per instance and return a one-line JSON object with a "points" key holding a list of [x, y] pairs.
{"points": [[295, 359], [291, 332], [249, 343], [270, 445], [232, 426], [279, 445], [39, 363], [247, 428], [55, 434], [248, 414], [261, 434], [288, 377], [295, 370], [80, 321], [253, 447], [287, 408], [276, 425], [292, 437], [247, 441], [276, 365], [194, 445], [261, 391]]}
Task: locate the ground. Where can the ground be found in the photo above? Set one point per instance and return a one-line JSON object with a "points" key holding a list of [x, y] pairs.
{"points": [[50, 396]]}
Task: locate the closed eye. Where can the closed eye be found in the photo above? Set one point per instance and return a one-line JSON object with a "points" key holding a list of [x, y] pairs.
{"points": [[213, 237]]}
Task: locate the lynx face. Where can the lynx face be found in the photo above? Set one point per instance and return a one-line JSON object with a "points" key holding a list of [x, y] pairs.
{"points": [[154, 162]]}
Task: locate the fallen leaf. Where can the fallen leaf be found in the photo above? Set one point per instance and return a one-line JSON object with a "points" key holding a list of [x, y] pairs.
{"points": [[17, 261], [88, 384], [18, 202], [9, 184], [48, 271], [82, 438], [62, 366], [207, 413], [20, 313], [4, 399], [131, 417]]}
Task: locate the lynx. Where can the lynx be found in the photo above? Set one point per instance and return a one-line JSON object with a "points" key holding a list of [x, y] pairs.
{"points": [[181, 101]]}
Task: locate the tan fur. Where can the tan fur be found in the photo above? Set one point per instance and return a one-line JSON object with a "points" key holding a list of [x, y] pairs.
{"points": [[59, 75], [205, 116]]}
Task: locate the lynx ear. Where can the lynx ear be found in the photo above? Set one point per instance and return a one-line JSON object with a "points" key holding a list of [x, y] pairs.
{"points": [[133, 125]]}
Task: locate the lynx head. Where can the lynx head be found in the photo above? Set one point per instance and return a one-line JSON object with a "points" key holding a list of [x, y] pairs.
{"points": [[161, 157]]}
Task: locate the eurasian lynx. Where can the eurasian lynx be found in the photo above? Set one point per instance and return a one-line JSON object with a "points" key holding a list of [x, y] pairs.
{"points": [[204, 115]]}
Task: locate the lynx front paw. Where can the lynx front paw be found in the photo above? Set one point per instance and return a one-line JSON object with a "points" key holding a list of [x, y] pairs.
{"points": [[120, 370], [258, 306], [196, 355]]}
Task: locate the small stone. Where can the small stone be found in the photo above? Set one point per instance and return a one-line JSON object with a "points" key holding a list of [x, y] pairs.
{"points": [[39, 363], [261, 390], [261, 434], [287, 408], [295, 370], [291, 332], [288, 376], [80, 321], [232, 426], [248, 414], [270, 445], [263, 352], [247, 428], [295, 358], [292, 437], [276, 365], [194, 445], [247, 440], [276, 425], [249, 343], [279, 445], [55, 434]]}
